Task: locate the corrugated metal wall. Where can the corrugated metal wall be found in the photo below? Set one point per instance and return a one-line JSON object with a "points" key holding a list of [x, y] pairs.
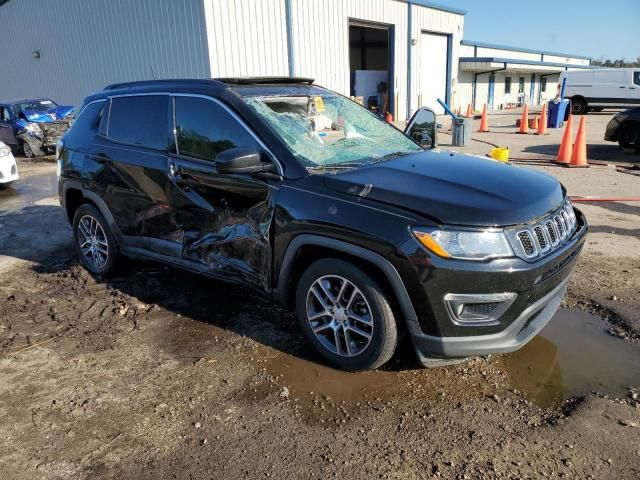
{"points": [[321, 40], [87, 44], [247, 37]]}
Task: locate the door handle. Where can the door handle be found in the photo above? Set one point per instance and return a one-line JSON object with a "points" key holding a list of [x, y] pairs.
{"points": [[99, 158]]}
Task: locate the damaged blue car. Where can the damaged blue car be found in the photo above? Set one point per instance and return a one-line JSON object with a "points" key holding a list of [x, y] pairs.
{"points": [[34, 124]]}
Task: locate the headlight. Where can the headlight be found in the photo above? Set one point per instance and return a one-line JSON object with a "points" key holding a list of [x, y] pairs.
{"points": [[463, 244], [33, 128], [5, 151]]}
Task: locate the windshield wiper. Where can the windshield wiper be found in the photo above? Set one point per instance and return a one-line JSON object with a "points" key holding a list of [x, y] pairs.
{"points": [[336, 166], [390, 155]]}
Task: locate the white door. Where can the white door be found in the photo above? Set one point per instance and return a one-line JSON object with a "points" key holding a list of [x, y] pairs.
{"points": [[433, 70]]}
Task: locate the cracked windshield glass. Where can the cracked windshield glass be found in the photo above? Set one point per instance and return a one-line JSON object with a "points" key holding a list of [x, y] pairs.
{"points": [[331, 131]]}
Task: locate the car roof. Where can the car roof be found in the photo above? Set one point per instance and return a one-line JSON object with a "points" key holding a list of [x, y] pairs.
{"points": [[203, 86]]}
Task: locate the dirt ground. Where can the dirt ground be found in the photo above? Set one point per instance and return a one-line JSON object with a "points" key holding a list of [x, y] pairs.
{"points": [[162, 374]]}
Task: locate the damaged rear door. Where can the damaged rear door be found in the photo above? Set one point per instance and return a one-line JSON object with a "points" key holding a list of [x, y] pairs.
{"points": [[226, 218]]}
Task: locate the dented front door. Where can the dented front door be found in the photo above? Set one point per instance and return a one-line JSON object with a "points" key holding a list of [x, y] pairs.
{"points": [[225, 219]]}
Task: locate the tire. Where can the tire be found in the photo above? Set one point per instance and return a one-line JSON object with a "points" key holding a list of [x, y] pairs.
{"points": [[6, 185], [358, 330], [26, 149], [89, 223], [629, 136], [578, 106]]}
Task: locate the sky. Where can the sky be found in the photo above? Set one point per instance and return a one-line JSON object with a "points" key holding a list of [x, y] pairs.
{"points": [[594, 28]]}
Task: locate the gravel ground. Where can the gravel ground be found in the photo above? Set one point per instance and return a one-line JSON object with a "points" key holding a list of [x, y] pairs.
{"points": [[162, 374]]}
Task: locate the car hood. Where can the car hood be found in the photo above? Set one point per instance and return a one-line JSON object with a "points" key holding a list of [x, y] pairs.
{"points": [[51, 115], [454, 189]]}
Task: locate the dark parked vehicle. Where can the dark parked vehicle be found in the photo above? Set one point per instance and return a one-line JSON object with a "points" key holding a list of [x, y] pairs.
{"points": [[300, 193], [624, 128], [33, 124]]}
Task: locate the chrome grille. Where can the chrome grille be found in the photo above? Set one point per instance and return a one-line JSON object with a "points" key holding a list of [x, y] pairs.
{"points": [[544, 236], [527, 244], [541, 238], [551, 232]]}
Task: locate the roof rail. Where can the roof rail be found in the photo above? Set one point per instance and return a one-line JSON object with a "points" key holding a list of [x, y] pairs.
{"points": [[265, 80], [142, 83]]}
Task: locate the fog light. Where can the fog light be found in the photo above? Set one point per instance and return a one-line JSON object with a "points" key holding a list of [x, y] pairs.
{"points": [[478, 309]]}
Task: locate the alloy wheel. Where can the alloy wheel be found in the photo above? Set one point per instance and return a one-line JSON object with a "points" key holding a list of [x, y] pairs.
{"points": [[93, 242], [339, 315]]}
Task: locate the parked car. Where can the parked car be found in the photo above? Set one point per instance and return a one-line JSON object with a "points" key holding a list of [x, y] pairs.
{"points": [[285, 187], [34, 124], [601, 88], [624, 128], [8, 167]]}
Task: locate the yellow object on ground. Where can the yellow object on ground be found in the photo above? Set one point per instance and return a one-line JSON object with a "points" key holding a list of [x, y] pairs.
{"points": [[500, 153]]}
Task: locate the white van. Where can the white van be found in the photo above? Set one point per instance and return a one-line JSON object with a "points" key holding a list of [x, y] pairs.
{"points": [[600, 88]]}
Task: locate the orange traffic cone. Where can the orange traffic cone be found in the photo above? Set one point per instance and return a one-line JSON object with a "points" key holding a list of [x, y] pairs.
{"points": [[524, 122], [542, 126], [566, 147], [469, 112], [459, 112], [484, 123], [579, 154]]}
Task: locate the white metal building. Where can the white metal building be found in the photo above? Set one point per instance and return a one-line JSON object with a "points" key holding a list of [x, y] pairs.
{"points": [[503, 77], [396, 54]]}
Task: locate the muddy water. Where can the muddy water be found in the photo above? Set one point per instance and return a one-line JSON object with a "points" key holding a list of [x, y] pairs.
{"points": [[27, 192], [573, 356]]}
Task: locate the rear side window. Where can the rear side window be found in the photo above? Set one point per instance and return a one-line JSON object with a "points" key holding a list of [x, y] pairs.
{"points": [[140, 120], [636, 78], [204, 129], [85, 126]]}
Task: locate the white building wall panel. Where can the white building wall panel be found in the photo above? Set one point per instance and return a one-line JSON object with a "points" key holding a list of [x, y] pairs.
{"points": [[434, 21], [494, 52], [466, 51], [321, 41], [570, 60], [247, 37], [86, 45]]}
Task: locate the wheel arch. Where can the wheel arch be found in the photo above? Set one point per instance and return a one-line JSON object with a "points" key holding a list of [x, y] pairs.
{"points": [[307, 248], [74, 196]]}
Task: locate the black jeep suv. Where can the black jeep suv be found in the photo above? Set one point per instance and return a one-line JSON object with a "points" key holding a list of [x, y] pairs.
{"points": [[283, 186]]}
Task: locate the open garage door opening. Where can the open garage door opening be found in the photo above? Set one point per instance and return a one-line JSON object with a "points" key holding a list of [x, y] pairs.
{"points": [[434, 70], [371, 65]]}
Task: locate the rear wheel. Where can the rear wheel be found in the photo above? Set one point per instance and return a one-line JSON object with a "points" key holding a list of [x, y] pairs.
{"points": [[578, 106], [94, 241], [629, 136], [345, 315]]}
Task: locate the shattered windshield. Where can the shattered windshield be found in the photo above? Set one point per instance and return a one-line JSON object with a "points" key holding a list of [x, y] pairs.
{"points": [[329, 130], [38, 105]]}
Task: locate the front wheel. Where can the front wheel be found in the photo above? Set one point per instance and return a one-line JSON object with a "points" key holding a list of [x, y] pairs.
{"points": [[94, 241], [26, 149], [346, 315], [629, 136]]}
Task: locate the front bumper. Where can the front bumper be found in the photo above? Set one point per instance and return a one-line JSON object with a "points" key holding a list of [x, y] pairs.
{"points": [[539, 286], [611, 133], [8, 169]]}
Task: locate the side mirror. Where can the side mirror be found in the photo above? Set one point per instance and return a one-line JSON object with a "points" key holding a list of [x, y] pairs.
{"points": [[423, 125], [422, 139], [242, 160]]}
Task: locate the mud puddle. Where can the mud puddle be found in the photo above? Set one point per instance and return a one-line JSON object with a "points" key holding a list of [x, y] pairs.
{"points": [[574, 355], [28, 192]]}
